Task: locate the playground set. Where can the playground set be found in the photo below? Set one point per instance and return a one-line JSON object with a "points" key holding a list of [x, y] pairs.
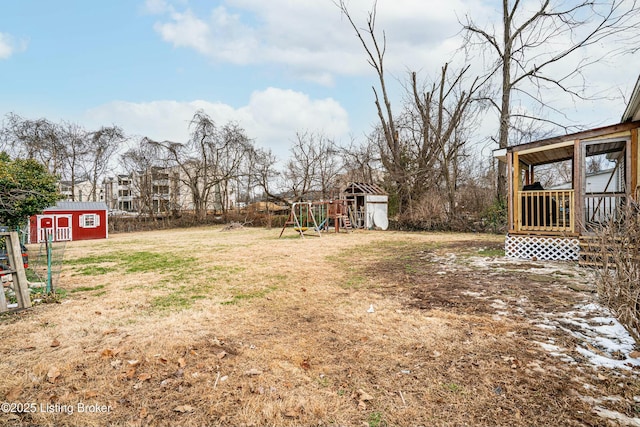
{"points": [[362, 206], [314, 217]]}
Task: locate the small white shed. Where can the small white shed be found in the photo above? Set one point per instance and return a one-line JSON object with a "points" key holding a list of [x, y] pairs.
{"points": [[368, 205]]}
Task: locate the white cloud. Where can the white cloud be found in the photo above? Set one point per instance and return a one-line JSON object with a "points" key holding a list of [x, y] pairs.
{"points": [[271, 117], [185, 30], [156, 6], [313, 39], [9, 45]]}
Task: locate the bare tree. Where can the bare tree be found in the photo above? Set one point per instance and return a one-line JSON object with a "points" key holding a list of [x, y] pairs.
{"points": [[103, 144], [329, 165], [135, 161], [444, 114], [531, 43], [74, 140], [67, 149], [228, 156], [361, 161], [313, 167], [393, 157], [35, 139], [420, 147], [209, 160], [265, 173]]}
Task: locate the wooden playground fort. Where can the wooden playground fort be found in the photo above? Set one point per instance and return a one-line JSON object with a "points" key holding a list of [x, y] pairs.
{"points": [[361, 206], [560, 223]]}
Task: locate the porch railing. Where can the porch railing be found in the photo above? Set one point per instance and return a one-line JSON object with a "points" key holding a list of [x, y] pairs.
{"points": [[600, 208], [545, 210]]}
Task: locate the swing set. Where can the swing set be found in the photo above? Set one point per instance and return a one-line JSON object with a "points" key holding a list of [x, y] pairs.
{"points": [[302, 219]]}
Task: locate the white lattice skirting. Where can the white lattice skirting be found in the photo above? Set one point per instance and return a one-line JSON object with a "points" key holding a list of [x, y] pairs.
{"points": [[542, 248]]}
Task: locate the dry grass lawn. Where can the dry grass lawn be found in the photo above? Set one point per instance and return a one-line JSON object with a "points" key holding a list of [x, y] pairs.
{"points": [[201, 327]]}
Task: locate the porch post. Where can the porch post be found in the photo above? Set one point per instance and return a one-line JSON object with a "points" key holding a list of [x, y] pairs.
{"points": [[633, 165], [510, 225], [578, 187], [515, 187]]}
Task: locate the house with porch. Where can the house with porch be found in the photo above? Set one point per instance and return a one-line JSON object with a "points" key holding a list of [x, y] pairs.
{"points": [[554, 224]]}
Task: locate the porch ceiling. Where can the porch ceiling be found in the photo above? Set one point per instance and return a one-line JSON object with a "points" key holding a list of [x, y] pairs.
{"points": [[560, 148], [547, 156], [543, 156]]}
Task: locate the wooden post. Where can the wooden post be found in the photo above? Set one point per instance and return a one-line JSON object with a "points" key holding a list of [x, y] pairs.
{"points": [[633, 165], [14, 253], [532, 175], [517, 222], [579, 160], [3, 300], [510, 225]]}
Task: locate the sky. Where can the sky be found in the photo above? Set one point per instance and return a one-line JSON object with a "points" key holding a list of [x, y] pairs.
{"points": [[276, 67]]}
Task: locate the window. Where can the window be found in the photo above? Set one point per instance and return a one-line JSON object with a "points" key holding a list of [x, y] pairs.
{"points": [[89, 220]]}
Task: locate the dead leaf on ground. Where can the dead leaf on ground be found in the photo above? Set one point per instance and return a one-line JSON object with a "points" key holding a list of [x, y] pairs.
{"points": [[53, 374], [108, 352], [144, 377], [181, 362], [305, 364], [364, 396], [293, 413], [131, 372], [55, 343], [14, 393], [184, 409], [144, 412]]}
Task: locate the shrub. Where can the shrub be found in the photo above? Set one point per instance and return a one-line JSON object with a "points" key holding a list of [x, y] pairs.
{"points": [[618, 279]]}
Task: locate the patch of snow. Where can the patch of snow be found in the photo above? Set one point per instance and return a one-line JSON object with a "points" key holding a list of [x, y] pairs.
{"points": [[606, 362], [472, 294], [616, 338], [498, 303], [544, 326], [601, 339], [565, 358], [617, 416], [548, 347], [590, 307]]}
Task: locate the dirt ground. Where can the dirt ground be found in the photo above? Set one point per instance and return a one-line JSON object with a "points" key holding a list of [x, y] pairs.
{"points": [[204, 327]]}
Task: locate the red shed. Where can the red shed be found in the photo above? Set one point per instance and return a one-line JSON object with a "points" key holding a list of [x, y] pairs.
{"points": [[69, 221]]}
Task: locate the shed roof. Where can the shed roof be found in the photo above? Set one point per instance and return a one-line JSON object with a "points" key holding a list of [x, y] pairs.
{"points": [[364, 188], [78, 206]]}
